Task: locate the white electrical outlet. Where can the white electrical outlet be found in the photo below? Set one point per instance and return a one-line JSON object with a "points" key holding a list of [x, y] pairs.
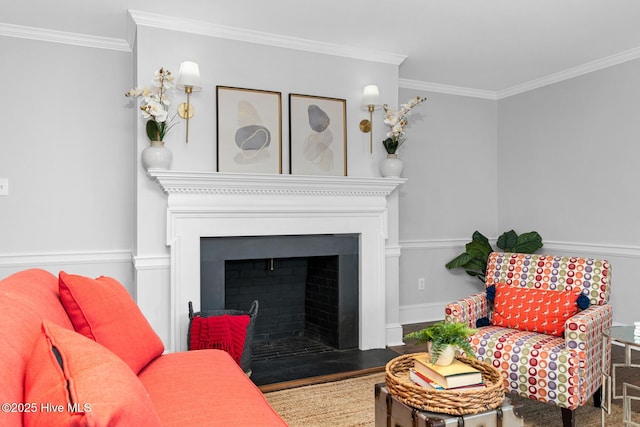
{"points": [[4, 186], [421, 284]]}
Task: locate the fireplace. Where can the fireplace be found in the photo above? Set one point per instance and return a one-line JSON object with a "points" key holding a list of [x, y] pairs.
{"points": [[215, 205], [307, 286]]}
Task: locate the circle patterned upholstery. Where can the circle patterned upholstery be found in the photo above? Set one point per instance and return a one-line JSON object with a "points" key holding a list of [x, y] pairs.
{"points": [[551, 272], [563, 370]]}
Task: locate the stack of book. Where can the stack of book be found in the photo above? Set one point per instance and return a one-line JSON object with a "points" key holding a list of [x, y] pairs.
{"points": [[456, 376]]}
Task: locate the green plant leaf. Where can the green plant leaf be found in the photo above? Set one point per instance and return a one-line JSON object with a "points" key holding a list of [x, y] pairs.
{"points": [[479, 237], [422, 336], [390, 145], [507, 240], [477, 274], [442, 334], [528, 243], [474, 259], [479, 249], [153, 131], [459, 261]]}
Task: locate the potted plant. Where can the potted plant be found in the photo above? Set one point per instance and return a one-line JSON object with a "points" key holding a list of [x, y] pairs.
{"points": [[474, 259], [156, 100], [444, 339], [391, 166]]}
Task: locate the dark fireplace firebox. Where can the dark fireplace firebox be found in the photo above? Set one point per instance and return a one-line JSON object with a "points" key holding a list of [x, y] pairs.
{"points": [[307, 286]]}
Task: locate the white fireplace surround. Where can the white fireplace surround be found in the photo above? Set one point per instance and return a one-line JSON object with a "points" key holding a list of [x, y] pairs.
{"points": [[221, 205]]}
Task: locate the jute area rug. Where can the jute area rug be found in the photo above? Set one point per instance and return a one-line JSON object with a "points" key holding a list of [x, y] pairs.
{"points": [[350, 403]]}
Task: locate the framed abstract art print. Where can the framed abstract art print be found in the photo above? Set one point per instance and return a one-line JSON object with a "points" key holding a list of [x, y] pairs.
{"points": [[317, 135], [249, 130]]}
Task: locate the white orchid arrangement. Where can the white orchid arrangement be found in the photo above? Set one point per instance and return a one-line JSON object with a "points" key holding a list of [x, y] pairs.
{"points": [[155, 103], [397, 121]]}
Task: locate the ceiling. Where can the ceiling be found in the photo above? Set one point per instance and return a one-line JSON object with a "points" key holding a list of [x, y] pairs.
{"points": [[489, 45]]}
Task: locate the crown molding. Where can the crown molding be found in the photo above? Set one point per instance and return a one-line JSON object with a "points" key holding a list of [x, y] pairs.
{"points": [[64, 37], [276, 40], [447, 89], [259, 37], [570, 73], [589, 67]]}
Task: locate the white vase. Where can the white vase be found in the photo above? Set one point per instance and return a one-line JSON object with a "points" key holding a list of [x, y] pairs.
{"points": [[391, 166], [446, 355], [156, 156]]}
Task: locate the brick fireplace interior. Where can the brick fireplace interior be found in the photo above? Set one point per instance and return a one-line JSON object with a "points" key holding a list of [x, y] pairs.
{"points": [[306, 286]]}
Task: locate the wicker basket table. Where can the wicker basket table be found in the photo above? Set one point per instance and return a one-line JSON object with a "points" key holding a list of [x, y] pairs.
{"points": [[458, 402]]}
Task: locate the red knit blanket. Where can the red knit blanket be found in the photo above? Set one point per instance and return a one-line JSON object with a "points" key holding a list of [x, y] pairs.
{"points": [[226, 332]]}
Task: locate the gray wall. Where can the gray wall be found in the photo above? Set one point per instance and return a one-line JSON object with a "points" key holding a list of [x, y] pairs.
{"points": [[568, 158], [560, 159], [568, 168], [451, 164], [67, 149]]}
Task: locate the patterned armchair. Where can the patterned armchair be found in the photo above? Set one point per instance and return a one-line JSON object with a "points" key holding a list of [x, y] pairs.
{"points": [[561, 370]]}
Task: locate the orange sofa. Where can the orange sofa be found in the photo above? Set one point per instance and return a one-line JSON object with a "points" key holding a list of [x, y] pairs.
{"points": [[78, 351]]}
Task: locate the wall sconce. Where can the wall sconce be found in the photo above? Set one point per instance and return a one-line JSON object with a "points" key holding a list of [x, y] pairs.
{"points": [[189, 80], [370, 101]]}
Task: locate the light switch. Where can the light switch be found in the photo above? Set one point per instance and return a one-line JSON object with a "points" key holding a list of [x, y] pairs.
{"points": [[4, 186]]}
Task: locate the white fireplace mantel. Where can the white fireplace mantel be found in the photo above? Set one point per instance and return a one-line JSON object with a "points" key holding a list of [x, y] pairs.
{"points": [[174, 182], [206, 204]]}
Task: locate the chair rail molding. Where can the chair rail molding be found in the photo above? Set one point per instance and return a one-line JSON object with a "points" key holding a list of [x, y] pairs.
{"points": [[611, 250], [26, 260]]}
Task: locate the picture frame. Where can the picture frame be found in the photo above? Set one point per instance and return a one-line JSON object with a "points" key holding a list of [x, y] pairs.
{"points": [[249, 130], [317, 135]]}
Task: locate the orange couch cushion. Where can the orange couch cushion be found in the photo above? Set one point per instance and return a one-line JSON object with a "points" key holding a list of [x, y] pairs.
{"points": [[26, 298], [103, 310], [211, 376], [534, 310], [80, 382]]}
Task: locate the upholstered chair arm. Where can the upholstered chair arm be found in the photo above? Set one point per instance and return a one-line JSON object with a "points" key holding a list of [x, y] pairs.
{"points": [[583, 334], [467, 310]]}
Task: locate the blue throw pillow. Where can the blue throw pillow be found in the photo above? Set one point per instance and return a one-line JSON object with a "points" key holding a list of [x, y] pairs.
{"points": [[583, 302]]}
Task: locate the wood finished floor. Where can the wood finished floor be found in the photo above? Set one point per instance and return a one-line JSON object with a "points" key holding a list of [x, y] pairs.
{"points": [[313, 368]]}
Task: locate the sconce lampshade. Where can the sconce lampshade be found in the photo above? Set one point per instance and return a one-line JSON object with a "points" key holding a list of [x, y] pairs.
{"points": [[370, 96], [189, 76]]}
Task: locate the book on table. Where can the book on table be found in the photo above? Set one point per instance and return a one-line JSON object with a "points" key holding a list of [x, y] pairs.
{"points": [[457, 374], [419, 379]]}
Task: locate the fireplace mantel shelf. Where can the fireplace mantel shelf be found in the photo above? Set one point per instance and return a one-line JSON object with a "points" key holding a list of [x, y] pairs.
{"points": [[181, 182]]}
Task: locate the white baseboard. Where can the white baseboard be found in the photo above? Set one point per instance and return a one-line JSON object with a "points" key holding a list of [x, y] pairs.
{"points": [[394, 334], [418, 313]]}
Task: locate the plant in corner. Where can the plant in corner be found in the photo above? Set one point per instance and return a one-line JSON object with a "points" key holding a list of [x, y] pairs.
{"points": [[443, 334], [474, 259]]}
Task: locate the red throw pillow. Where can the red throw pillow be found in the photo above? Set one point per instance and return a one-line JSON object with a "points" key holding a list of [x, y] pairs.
{"points": [[103, 310], [535, 310], [72, 380]]}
